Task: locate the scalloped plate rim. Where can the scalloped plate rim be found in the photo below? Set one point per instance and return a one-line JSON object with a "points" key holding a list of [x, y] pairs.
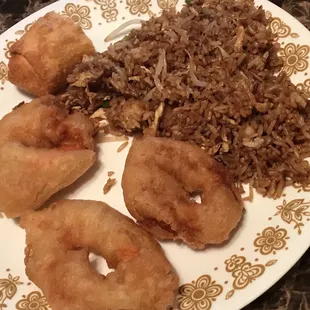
{"points": [[282, 266]]}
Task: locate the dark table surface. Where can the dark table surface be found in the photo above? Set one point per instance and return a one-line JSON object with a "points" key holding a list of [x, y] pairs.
{"points": [[292, 292]]}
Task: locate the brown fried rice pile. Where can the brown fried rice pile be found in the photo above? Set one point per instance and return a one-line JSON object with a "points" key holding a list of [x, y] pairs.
{"points": [[209, 74]]}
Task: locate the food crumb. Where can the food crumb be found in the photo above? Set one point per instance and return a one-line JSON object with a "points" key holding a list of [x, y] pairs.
{"points": [[108, 185], [103, 137], [19, 105], [110, 173], [122, 146], [250, 196]]}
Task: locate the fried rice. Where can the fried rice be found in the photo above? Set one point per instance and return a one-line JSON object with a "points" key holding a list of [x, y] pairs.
{"points": [[210, 75]]}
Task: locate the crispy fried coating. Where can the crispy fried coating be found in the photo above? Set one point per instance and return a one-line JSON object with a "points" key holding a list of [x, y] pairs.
{"points": [[44, 56], [42, 150], [59, 240], [161, 176]]}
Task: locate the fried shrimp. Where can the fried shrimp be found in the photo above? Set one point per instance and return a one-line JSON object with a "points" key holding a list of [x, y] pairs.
{"points": [[59, 240], [159, 181], [42, 150]]}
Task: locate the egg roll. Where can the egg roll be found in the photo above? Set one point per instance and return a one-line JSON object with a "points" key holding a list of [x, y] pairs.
{"points": [[46, 54]]}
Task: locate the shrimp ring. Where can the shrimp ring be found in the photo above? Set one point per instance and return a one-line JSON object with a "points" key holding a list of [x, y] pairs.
{"points": [[159, 179], [43, 149], [59, 240]]}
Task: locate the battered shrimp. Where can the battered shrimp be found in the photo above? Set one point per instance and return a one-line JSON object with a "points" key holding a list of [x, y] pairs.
{"points": [[59, 240], [42, 150], [161, 176]]}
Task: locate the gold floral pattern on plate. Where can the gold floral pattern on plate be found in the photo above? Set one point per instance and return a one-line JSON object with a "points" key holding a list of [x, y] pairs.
{"points": [[304, 87], [3, 72], [271, 262], [199, 294], [109, 10], [294, 35], [138, 6], [8, 289], [295, 58], [26, 29], [278, 27], [243, 272], [271, 240], [167, 4], [294, 212], [7, 53], [34, 301], [80, 14]]}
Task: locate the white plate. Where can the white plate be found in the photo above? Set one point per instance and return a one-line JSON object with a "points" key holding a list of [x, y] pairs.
{"points": [[273, 235]]}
